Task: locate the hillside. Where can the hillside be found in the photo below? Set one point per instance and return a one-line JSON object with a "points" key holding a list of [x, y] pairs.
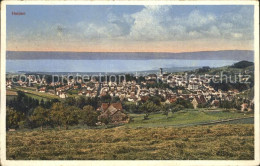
{"points": [[218, 142], [242, 64], [239, 67]]}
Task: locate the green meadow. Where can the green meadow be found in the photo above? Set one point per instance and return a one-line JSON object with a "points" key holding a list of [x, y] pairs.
{"points": [[180, 136], [185, 118]]}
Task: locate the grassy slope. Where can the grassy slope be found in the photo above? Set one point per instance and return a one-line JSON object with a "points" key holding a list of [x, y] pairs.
{"points": [[185, 117], [228, 70], [201, 142], [149, 139], [45, 96], [37, 95]]}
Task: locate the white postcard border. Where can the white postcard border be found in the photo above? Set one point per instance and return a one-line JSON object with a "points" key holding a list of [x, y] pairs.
{"points": [[127, 162]]}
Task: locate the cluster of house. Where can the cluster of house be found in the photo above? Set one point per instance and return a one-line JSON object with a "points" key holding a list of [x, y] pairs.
{"points": [[90, 90], [124, 90], [195, 89]]}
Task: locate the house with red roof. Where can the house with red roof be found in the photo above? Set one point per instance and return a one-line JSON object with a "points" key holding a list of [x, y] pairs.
{"points": [[113, 113]]}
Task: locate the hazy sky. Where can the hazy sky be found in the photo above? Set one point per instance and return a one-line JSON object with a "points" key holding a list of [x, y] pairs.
{"points": [[130, 28]]}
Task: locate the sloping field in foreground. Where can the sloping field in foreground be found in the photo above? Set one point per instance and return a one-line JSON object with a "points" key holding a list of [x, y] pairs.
{"points": [[200, 142]]}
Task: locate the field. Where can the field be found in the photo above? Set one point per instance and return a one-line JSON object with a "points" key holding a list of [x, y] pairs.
{"points": [[180, 136], [31, 92], [185, 135], [214, 142], [37, 95], [184, 118]]}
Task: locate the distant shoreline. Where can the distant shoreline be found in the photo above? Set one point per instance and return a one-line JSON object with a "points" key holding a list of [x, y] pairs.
{"points": [[110, 66], [203, 55]]}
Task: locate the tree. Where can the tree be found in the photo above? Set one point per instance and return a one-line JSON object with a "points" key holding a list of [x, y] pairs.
{"points": [[129, 77], [81, 102], [130, 107], [184, 103], [204, 105], [140, 79], [226, 104], [13, 118], [47, 104], [89, 115], [70, 116], [106, 98], [155, 99], [56, 113], [242, 64], [171, 107], [166, 109], [93, 102], [70, 101], [23, 103], [42, 104], [115, 99], [55, 100], [149, 107], [203, 69], [62, 115], [40, 116], [176, 108], [105, 119]]}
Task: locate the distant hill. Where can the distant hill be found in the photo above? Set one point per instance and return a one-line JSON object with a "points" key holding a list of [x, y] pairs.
{"points": [[242, 64], [238, 55]]}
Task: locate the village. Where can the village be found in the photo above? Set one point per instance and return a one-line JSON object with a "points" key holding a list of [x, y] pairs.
{"points": [[192, 88]]}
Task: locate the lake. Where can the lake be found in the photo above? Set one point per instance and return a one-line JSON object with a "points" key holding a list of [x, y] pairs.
{"points": [[49, 65]]}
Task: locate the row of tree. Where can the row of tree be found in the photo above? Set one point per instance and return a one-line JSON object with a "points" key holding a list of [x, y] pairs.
{"points": [[24, 111], [59, 115], [154, 104], [27, 112]]}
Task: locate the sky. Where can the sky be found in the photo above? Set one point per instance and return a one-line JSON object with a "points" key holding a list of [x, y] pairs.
{"points": [[122, 28]]}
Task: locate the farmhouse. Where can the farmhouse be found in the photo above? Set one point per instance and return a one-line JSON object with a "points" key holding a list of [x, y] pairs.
{"points": [[113, 112]]}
